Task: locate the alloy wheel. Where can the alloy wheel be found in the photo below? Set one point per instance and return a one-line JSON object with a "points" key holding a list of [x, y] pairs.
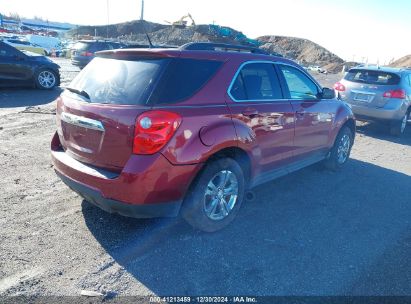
{"points": [[404, 122], [47, 79], [343, 149], [221, 195]]}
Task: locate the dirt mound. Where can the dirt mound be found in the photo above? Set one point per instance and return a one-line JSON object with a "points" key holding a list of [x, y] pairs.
{"points": [[403, 62], [117, 30], [201, 33], [301, 50]]}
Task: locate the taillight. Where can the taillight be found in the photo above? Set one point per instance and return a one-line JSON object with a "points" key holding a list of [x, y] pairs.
{"points": [[400, 93], [339, 87], [87, 53], [153, 130]]}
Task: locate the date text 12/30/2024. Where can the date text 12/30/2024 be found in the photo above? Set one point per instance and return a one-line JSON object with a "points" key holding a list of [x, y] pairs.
{"points": [[239, 299]]}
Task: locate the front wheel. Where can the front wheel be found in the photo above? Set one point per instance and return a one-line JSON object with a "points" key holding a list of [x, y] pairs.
{"points": [[341, 150], [46, 79], [215, 196]]}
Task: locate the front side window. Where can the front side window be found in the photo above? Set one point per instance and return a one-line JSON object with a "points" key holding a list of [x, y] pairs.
{"points": [[256, 82], [299, 84]]}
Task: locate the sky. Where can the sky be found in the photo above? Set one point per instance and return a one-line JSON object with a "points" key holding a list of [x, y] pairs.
{"points": [[379, 30]]}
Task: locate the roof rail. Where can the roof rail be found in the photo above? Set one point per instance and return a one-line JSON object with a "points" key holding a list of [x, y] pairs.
{"points": [[210, 46]]}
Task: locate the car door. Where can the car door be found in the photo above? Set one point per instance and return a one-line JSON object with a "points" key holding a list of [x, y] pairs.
{"points": [[263, 119], [313, 115], [13, 65]]}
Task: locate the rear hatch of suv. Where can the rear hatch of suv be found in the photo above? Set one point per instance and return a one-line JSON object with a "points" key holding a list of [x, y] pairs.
{"points": [[98, 111], [367, 87], [96, 114]]}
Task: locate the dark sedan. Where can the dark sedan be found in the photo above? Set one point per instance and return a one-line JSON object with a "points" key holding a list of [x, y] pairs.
{"points": [[22, 68], [84, 50]]}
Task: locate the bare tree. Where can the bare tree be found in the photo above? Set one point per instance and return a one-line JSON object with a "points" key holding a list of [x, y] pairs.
{"points": [[15, 16]]}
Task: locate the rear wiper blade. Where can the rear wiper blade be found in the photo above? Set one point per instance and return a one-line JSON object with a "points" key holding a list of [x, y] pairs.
{"points": [[81, 93]]}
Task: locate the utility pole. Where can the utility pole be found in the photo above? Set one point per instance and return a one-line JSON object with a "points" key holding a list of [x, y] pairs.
{"points": [[142, 10], [108, 17]]}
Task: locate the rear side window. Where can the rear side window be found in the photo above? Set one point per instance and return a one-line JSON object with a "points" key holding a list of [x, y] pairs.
{"points": [[182, 79], [372, 77], [256, 82], [113, 81]]}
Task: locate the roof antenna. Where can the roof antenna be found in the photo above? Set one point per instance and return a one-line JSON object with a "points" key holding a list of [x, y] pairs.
{"points": [[148, 37]]}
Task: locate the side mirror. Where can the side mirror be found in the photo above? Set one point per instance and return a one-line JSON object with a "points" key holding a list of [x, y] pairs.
{"points": [[327, 93]]}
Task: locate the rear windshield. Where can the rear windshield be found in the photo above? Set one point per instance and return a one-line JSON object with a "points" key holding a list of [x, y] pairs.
{"points": [[81, 46], [154, 81], [372, 77], [118, 81]]}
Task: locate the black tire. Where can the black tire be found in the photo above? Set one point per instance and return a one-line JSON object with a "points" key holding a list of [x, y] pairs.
{"points": [[333, 162], [193, 210], [46, 85], [398, 127]]}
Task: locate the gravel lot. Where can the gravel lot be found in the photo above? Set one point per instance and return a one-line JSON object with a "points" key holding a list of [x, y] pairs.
{"points": [[314, 232]]}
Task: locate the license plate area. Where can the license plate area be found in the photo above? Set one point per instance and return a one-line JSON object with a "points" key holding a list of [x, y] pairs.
{"points": [[362, 97]]}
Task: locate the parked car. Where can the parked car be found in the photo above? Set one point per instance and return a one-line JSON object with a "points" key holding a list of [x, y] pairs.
{"points": [[316, 68], [158, 132], [84, 50], [378, 94], [67, 48], [50, 44], [25, 45], [22, 68]]}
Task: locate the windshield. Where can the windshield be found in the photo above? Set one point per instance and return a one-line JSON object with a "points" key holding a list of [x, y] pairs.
{"points": [[118, 81], [372, 77]]}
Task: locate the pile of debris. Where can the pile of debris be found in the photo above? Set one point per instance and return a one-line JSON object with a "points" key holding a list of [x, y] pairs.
{"points": [[179, 33], [301, 50]]}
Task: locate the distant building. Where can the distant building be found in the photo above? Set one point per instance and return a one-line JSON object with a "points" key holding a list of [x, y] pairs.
{"points": [[15, 24]]}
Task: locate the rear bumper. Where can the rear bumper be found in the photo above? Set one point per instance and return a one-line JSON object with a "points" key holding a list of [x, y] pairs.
{"points": [[147, 186], [392, 111], [95, 197], [80, 62]]}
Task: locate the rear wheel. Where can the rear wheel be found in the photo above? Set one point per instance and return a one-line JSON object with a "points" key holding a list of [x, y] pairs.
{"points": [[398, 127], [46, 79], [215, 196], [341, 150]]}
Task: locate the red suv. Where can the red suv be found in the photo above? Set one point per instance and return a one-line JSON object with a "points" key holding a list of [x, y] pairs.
{"points": [[158, 132]]}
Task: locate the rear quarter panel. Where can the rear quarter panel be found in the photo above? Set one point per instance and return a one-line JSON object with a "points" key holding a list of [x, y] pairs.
{"points": [[203, 132], [343, 114]]}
